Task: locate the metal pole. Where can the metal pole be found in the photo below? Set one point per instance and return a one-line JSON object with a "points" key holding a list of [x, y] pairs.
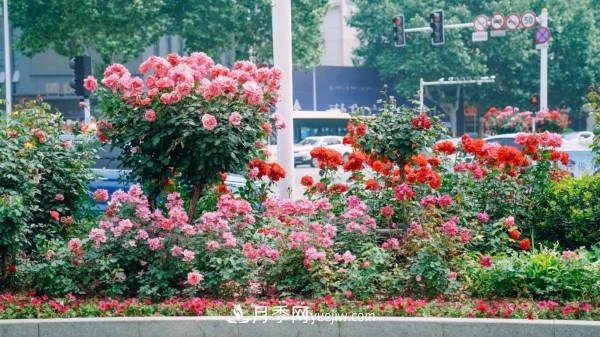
{"points": [[86, 110], [282, 57], [7, 65], [421, 102], [543, 69]]}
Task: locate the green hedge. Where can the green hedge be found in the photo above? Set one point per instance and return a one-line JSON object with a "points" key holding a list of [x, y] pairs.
{"points": [[569, 213]]}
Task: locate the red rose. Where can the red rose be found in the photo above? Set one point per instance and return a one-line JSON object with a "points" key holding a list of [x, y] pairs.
{"points": [[525, 244]]}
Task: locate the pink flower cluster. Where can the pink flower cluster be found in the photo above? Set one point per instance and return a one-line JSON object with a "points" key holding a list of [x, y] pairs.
{"points": [[430, 200], [357, 216], [403, 192], [173, 78], [474, 167], [547, 139]]}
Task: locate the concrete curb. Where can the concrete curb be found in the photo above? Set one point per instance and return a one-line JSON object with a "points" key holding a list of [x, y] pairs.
{"points": [[274, 326]]}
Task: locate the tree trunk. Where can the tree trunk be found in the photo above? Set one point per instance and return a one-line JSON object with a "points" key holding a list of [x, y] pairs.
{"points": [[196, 194]]}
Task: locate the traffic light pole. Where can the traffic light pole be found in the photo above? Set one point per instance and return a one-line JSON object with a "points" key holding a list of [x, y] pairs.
{"points": [[543, 21], [543, 70], [446, 26]]}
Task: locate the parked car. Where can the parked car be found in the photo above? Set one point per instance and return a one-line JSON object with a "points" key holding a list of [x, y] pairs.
{"points": [[302, 149]]}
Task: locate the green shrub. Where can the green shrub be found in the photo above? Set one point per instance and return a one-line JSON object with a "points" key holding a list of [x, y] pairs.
{"points": [[544, 274], [570, 213], [40, 174]]}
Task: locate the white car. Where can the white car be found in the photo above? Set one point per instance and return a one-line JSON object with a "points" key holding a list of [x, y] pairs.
{"points": [[302, 149]]}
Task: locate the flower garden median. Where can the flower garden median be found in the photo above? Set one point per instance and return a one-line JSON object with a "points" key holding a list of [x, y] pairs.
{"points": [[421, 228]]}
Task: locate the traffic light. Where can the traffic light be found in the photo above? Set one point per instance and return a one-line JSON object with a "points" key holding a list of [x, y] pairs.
{"points": [[82, 68], [436, 21], [399, 34], [535, 103]]}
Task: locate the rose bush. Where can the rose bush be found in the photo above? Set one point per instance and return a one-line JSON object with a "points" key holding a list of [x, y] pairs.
{"points": [[43, 189], [188, 119], [511, 120]]}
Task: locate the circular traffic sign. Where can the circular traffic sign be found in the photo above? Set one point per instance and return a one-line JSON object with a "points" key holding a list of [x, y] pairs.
{"points": [[542, 35], [528, 19], [480, 23], [497, 21], [513, 21]]}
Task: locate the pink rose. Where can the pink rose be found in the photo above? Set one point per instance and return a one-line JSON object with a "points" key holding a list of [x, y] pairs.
{"points": [[100, 195], [235, 118], [74, 245], [485, 261], [209, 121], [194, 278], [150, 115], [90, 83], [59, 197], [188, 255]]}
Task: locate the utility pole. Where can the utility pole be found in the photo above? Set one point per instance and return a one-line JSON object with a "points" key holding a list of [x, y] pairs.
{"points": [[7, 60], [282, 57]]}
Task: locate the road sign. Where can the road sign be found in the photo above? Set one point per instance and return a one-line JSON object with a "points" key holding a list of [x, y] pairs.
{"points": [[498, 33], [513, 21], [480, 36], [497, 21], [480, 23], [528, 19], [542, 35]]}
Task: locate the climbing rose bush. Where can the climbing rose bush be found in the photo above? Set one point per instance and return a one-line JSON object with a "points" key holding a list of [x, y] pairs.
{"points": [[187, 118]]}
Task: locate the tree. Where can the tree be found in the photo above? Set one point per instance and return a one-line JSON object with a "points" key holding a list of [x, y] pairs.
{"points": [[121, 29], [118, 30], [573, 54], [243, 29]]}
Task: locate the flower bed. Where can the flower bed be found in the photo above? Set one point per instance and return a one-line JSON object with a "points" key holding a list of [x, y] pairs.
{"points": [[22, 306], [417, 219]]}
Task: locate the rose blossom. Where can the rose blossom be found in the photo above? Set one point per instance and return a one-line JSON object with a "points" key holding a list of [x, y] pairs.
{"points": [[188, 255], [194, 278], [100, 195], [485, 261], [74, 245], [59, 197], [209, 121], [483, 217], [90, 83], [235, 118], [150, 115]]}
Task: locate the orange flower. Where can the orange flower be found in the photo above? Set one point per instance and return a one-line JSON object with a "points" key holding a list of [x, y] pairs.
{"points": [[328, 158], [372, 185], [355, 161], [446, 147]]}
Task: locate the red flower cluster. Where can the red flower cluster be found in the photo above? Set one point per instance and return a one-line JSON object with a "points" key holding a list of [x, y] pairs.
{"points": [[307, 181], [421, 121], [508, 156], [372, 185], [445, 146], [328, 158], [473, 146], [355, 161], [274, 171]]}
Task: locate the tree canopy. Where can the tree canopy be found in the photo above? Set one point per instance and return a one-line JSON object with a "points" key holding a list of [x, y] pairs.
{"points": [[573, 53], [121, 29]]}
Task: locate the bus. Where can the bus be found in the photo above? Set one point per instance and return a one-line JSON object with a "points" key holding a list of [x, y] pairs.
{"points": [[319, 123]]}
